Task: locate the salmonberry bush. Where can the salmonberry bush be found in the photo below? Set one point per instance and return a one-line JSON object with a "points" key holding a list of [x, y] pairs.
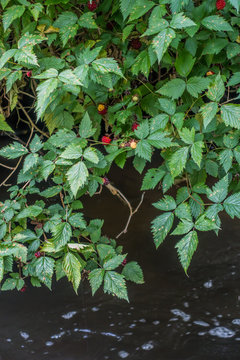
{"points": [[102, 82]]}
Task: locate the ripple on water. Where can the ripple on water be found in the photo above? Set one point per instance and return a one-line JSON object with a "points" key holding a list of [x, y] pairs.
{"points": [[236, 321], [222, 332], [24, 335], [123, 354], [147, 346], [69, 315], [208, 284], [201, 323], [181, 314]]}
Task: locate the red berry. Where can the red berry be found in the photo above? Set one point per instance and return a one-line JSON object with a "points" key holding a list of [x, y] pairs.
{"points": [[92, 5], [106, 139], [38, 254], [220, 4], [124, 262], [29, 73], [24, 288], [135, 125], [105, 181], [136, 44]]}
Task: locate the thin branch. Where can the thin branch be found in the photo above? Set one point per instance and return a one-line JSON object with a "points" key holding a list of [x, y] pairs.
{"points": [[7, 167]]}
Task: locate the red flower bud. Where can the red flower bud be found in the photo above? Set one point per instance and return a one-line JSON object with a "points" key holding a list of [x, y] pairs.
{"points": [[106, 139], [105, 181], [124, 262], [220, 4], [135, 125], [38, 254], [102, 109], [23, 289], [29, 73], [92, 5]]}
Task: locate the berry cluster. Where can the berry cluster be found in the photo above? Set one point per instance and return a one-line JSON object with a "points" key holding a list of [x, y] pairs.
{"points": [[106, 139], [92, 5], [102, 109]]}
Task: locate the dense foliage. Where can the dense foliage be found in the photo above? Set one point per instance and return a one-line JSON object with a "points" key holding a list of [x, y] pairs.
{"points": [[101, 82]]}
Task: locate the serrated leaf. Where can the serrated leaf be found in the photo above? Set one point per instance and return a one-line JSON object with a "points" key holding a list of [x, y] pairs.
{"points": [[35, 144], [9, 284], [156, 22], [133, 272], [114, 262], [186, 248], [173, 88], [30, 211], [216, 89], [72, 152], [87, 21], [183, 210], [208, 112], [196, 85], [178, 161], [203, 224], [126, 7], [69, 77], [77, 221], [187, 135], [6, 56], [44, 268], [115, 284], [217, 23], [85, 128], [152, 178], [180, 21], [183, 227], [96, 278], [219, 190], [235, 3], [161, 226], [4, 125], [162, 41], [167, 203], [140, 8], [62, 234], [143, 130], [144, 150], [106, 65], [196, 152], [184, 62], [77, 176], [232, 205], [90, 154], [231, 115], [12, 13], [226, 158], [45, 90], [72, 268], [159, 140]]}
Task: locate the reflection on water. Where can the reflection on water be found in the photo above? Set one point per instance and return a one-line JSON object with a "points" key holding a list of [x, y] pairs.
{"points": [[171, 316]]}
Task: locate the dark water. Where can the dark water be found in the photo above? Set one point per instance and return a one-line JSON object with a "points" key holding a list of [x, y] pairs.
{"points": [[169, 317]]}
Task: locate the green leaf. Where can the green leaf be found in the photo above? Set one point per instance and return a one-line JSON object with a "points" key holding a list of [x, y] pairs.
{"points": [[48, 74], [234, 80], [1, 268], [143, 130], [216, 89], [187, 135], [69, 77], [12, 13], [105, 251], [161, 227], [6, 56], [44, 268], [183, 210], [87, 21], [231, 115], [186, 248], [232, 205], [68, 32], [114, 262], [177, 5], [159, 140], [30, 161], [35, 144], [180, 21], [156, 22], [77, 176], [178, 161], [196, 152], [126, 7], [13, 151], [184, 63], [9, 284], [208, 112], [173, 88], [30, 211], [96, 278], [77, 221], [226, 158], [217, 23], [85, 128], [44, 90], [235, 3], [196, 85], [115, 284], [203, 224], [140, 8], [144, 150], [162, 41], [62, 234], [72, 152], [142, 64], [133, 272], [106, 65], [152, 178], [183, 227], [46, 168], [167, 203], [90, 154], [4, 125], [219, 190], [72, 269], [51, 191]]}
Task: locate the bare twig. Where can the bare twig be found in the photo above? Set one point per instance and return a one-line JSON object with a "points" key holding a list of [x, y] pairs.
{"points": [[7, 167]]}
